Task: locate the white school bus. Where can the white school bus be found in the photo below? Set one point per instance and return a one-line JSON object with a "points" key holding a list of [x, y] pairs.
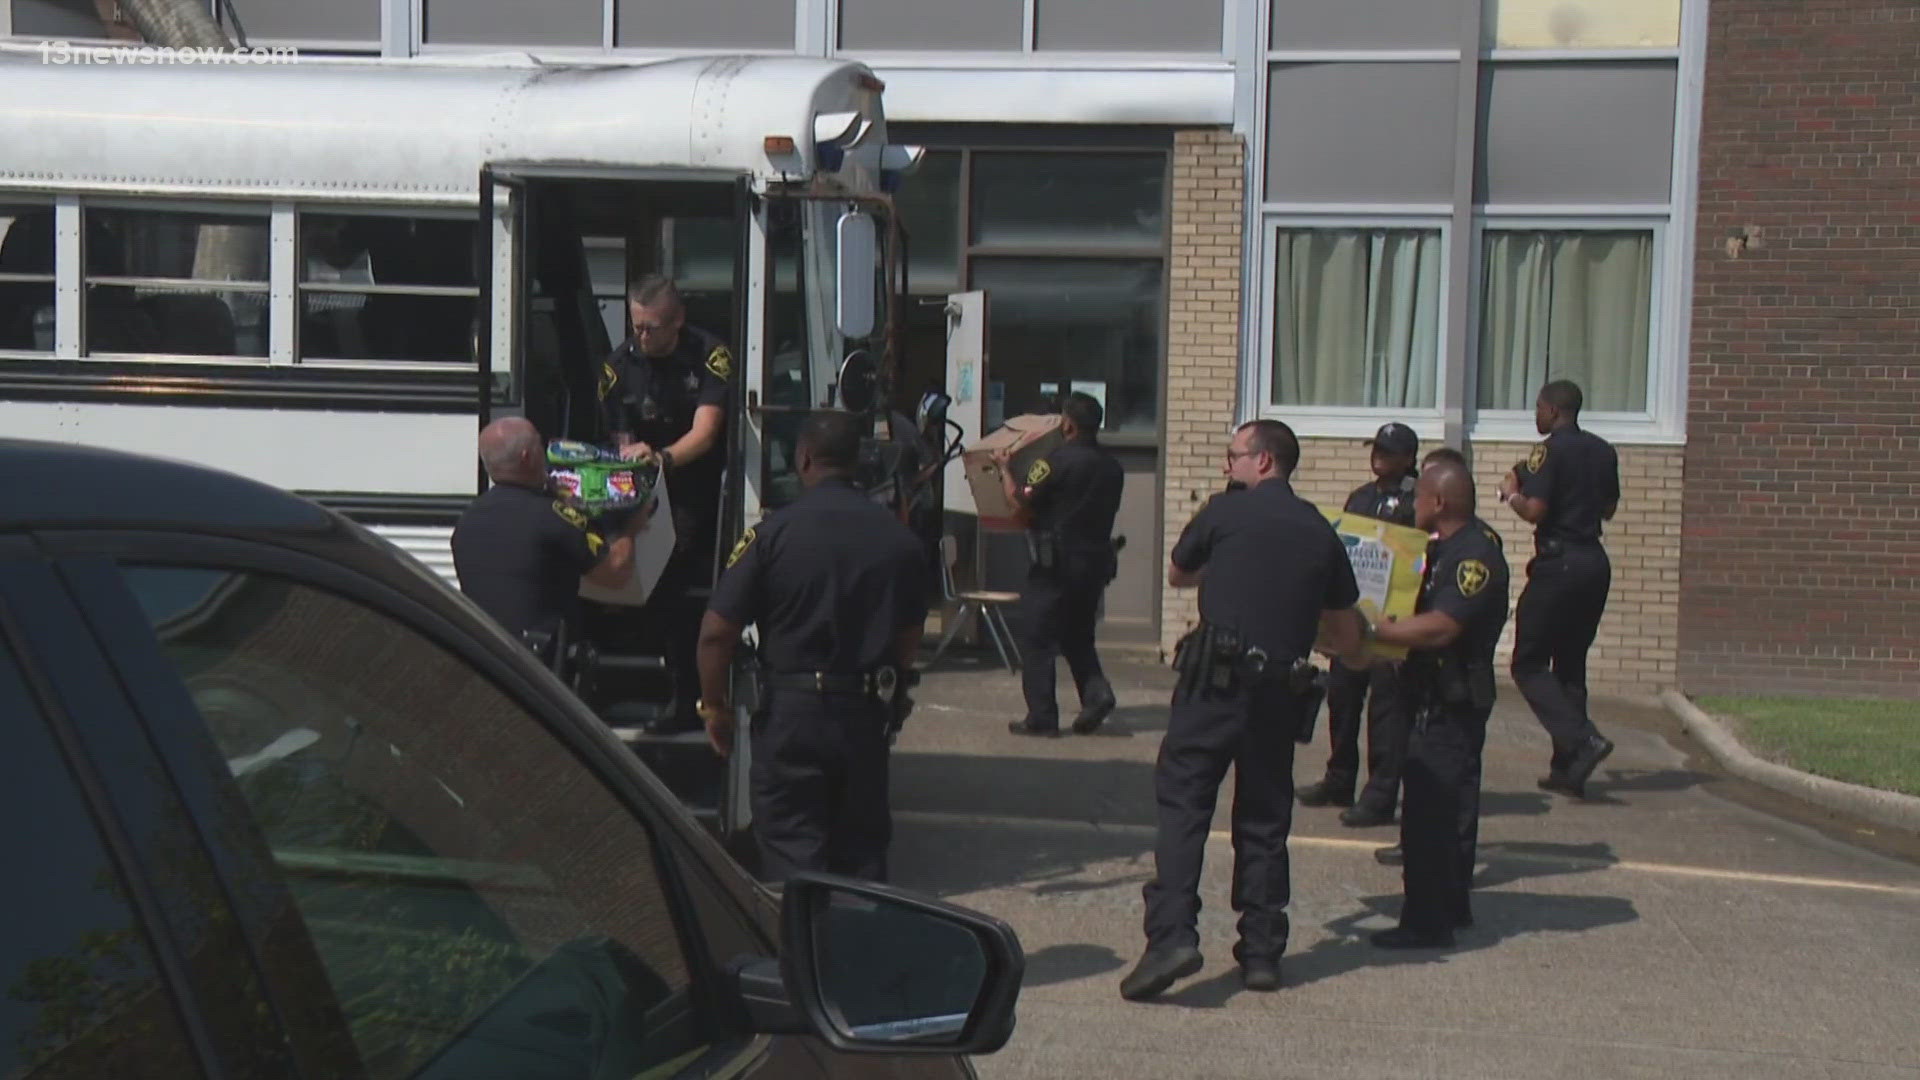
{"points": [[328, 275]]}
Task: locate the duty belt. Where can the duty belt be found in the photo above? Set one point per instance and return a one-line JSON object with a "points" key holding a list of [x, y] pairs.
{"points": [[879, 682]]}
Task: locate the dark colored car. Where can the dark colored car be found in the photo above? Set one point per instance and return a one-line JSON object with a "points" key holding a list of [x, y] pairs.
{"points": [[283, 804]]}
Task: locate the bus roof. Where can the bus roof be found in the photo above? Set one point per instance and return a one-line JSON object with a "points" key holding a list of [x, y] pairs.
{"points": [[411, 130]]}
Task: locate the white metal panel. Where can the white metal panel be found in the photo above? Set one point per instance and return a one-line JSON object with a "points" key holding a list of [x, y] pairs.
{"points": [[300, 450], [368, 129], [432, 546]]}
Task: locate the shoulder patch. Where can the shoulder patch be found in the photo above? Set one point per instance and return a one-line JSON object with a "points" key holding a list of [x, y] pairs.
{"points": [[720, 362], [607, 378], [1039, 471], [740, 548], [595, 542], [1537, 458], [1471, 576], [569, 515]]}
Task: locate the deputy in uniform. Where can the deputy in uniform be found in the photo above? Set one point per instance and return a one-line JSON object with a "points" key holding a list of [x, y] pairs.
{"points": [[1068, 502], [1376, 687], [1568, 485], [520, 553], [1273, 575], [663, 393], [838, 588], [1448, 680]]}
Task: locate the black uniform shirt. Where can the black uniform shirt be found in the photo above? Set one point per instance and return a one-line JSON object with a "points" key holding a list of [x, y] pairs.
{"points": [[1578, 474], [1393, 504], [831, 579], [1074, 493], [1273, 565], [1467, 579], [519, 554], [653, 399]]}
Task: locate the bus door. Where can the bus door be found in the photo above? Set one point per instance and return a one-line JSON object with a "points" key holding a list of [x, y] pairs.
{"points": [[562, 246]]}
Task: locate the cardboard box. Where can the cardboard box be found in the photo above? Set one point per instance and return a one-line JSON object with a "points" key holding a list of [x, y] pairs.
{"points": [[1030, 437], [1389, 563]]}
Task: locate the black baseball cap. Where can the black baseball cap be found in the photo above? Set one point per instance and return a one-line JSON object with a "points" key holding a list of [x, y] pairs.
{"points": [[1397, 439]]}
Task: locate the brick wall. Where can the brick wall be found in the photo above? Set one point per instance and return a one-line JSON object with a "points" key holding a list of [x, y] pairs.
{"points": [[1203, 321], [1803, 481], [1635, 654]]}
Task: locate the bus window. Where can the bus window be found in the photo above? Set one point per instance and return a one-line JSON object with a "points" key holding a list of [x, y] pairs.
{"points": [[188, 283], [26, 277], [387, 287]]}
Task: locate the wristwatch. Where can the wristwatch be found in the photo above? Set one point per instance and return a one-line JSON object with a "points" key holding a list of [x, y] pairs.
{"points": [[708, 711], [666, 460]]}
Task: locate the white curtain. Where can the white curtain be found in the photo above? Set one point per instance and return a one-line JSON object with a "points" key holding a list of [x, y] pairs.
{"points": [[1573, 305], [1356, 317]]}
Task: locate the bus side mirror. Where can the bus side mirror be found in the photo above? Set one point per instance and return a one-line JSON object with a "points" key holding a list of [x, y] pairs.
{"points": [[856, 256]]}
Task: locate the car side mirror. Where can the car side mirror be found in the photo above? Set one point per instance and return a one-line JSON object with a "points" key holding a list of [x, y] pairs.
{"points": [[870, 968]]}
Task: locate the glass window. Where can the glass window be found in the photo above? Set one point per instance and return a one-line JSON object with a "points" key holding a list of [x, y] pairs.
{"points": [[1583, 24], [929, 206], [1566, 305], [1356, 317], [188, 283], [26, 277], [931, 25], [1078, 200], [347, 21], [1127, 26], [513, 22], [57, 19], [481, 904], [1058, 325], [81, 993], [761, 24], [387, 287]]}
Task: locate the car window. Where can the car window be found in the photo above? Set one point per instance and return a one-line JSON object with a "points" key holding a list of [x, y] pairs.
{"points": [[482, 905], [80, 995]]}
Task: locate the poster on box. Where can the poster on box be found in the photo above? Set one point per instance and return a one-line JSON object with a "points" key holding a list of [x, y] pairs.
{"points": [[1389, 562]]}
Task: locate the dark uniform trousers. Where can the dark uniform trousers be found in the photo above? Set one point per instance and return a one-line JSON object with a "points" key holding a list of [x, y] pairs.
{"points": [[1253, 731], [1060, 607], [679, 601], [819, 785], [1554, 626], [1387, 729], [1440, 824]]}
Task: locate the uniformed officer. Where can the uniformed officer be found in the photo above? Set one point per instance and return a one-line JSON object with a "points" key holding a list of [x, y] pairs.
{"points": [[1272, 574], [1068, 501], [519, 552], [664, 397], [838, 588], [1568, 485], [1449, 682], [1376, 687]]}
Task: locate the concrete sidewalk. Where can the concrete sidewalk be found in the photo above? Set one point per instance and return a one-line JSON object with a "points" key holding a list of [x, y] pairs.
{"points": [[1664, 926]]}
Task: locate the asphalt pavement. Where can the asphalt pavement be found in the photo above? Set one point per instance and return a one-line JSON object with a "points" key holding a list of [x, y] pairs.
{"points": [[1678, 922]]}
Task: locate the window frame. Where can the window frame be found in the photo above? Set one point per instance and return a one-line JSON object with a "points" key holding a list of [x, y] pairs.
{"points": [[1666, 372], [294, 287], [33, 201], [1027, 141], [574, 731], [233, 207], [1359, 421]]}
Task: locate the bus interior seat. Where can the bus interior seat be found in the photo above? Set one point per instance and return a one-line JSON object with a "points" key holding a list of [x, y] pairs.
{"points": [[192, 324]]}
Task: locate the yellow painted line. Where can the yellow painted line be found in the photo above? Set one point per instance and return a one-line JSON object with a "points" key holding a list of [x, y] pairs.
{"points": [[1343, 844]]}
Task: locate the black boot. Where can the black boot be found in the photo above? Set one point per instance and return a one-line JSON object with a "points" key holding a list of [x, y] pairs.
{"points": [[1328, 792], [1406, 937], [1095, 706], [1260, 975], [1159, 969], [1586, 759]]}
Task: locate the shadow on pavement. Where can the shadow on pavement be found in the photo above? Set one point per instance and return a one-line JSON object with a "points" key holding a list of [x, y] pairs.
{"points": [[1498, 916], [1514, 802], [1065, 963]]}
